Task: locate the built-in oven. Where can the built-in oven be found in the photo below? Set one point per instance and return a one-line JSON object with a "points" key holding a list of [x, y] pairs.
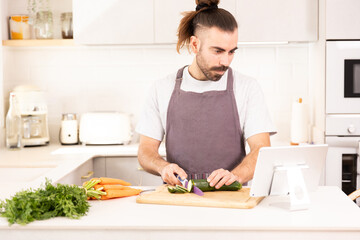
{"points": [[343, 115]]}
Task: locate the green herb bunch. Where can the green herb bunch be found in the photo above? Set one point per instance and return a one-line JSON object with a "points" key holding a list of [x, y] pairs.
{"points": [[44, 203]]}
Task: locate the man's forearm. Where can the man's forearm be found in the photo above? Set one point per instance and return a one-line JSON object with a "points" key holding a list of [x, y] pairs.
{"points": [[150, 161], [245, 170]]}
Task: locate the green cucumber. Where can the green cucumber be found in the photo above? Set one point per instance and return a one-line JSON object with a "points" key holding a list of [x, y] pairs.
{"points": [[177, 189], [181, 189], [204, 186], [171, 189]]}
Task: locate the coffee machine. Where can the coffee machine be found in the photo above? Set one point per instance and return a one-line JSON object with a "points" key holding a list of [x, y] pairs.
{"points": [[33, 110]]}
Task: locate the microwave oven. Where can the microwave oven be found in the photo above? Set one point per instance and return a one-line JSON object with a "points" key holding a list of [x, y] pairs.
{"points": [[342, 77]]}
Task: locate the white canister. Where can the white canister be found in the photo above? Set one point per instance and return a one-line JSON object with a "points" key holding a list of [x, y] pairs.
{"points": [[69, 129]]}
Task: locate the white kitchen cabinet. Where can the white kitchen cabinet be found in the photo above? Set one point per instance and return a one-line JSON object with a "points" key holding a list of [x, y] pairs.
{"points": [[113, 21], [128, 169], [258, 20], [99, 164], [168, 14], [79, 175], [277, 20], [342, 19]]}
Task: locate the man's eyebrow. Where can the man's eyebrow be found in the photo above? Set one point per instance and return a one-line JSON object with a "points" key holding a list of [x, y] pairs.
{"points": [[218, 48], [221, 49]]}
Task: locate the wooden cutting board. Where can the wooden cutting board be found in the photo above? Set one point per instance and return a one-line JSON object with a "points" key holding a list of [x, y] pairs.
{"points": [[223, 199]]}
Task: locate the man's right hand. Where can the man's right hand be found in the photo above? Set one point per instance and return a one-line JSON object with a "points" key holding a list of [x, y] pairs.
{"points": [[169, 171]]}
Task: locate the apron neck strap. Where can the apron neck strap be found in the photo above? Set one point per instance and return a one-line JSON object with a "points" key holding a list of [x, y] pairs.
{"points": [[230, 80], [179, 77]]}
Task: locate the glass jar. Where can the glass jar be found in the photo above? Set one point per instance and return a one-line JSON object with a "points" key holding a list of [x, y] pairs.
{"points": [[44, 25], [19, 27], [66, 25]]}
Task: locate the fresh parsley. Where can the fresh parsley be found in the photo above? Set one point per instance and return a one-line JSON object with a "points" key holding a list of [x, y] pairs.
{"points": [[45, 202]]}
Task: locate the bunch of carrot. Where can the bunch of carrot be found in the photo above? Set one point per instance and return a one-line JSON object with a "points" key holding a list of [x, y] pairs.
{"points": [[107, 188]]}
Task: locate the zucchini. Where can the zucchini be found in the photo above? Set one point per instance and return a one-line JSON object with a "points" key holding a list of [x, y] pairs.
{"points": [[171, 189], [181, 189], [204, 186], [177, 189]]}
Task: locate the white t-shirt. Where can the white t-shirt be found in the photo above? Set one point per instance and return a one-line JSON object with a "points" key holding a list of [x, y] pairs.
{"points": [[253, 113]]}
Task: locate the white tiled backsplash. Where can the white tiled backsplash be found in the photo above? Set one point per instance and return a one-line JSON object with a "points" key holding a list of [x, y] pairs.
{"points": [[117, 78]]}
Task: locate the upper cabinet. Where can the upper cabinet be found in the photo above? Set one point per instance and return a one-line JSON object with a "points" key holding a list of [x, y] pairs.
{"points": [[168, 14], [113, 21], [156, 21], [342, 19], [277, 20]]}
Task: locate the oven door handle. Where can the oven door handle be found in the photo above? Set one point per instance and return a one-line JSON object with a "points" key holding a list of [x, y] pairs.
{"points": [[346, 142]]}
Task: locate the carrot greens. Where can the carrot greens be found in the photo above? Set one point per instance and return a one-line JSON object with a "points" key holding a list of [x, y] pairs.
{"points": [[45, 202]]}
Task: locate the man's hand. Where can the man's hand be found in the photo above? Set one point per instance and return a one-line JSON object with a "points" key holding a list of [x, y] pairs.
{"points": [[220, 177], [169, 171]]}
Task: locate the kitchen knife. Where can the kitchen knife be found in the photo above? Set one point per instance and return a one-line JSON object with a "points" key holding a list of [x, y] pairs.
{"points": [[185, 183]]}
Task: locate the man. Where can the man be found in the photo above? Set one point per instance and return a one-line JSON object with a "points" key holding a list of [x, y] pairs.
{"points": [[206, 111]]}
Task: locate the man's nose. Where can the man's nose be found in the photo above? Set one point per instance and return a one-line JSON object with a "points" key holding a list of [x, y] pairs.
{"points": [[225, 60]]}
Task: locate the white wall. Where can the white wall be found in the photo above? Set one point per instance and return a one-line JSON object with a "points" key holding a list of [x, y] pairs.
{"points": [[2, 117], [117, 78]]}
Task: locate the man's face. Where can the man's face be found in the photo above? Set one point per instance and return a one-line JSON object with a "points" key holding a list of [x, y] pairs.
{"points": [[216, 51]]}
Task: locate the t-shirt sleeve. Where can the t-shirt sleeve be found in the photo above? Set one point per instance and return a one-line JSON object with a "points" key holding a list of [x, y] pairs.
{"points": [[257, 117], [149, 123]]}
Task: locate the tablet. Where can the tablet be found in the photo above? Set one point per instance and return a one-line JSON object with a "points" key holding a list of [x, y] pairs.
{"points": [[271, 176]]}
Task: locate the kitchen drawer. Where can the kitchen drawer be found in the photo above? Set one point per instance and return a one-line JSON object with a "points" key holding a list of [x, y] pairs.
{"points": [[99, 166], [77, 176], [128, 169]]}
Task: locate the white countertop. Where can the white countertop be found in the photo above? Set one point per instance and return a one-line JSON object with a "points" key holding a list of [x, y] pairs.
{"points": [[56, 161], [332, 215]]}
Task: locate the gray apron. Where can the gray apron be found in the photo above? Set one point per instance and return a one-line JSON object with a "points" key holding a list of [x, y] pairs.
{"points": [[203, 130]]}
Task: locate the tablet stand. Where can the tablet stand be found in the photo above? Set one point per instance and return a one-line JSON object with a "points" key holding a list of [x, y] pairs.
{"points": [[299, 198]]}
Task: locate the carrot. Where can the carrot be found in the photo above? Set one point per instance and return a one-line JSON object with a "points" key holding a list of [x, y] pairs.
{"points": [[115, 193], [112, 181], [107, 187]]}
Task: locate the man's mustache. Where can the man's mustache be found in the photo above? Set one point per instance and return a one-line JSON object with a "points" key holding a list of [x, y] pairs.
{"points": [[221, 68]]}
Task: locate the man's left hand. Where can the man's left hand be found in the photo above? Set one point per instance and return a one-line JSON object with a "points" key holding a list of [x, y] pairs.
{"points": [[220, 177]]}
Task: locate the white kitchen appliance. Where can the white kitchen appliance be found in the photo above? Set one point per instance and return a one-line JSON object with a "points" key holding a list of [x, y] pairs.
{"points": [[105, 128], [69, 129], [293, 170], [342, 77], [343, 115], [33, 111]]}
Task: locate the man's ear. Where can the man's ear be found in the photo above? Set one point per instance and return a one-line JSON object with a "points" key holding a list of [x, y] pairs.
{"points": [[194, 44]]}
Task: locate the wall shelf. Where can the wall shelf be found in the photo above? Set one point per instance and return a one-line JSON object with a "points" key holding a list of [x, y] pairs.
{"points": [[38, 43]]}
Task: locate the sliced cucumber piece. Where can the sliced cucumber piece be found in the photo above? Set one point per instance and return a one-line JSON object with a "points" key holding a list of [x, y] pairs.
{"points": [[171, 189], [190, 186], [181, 188]]}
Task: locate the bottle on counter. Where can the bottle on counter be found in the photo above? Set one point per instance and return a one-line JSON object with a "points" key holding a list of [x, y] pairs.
{"points": [[13, 125]]}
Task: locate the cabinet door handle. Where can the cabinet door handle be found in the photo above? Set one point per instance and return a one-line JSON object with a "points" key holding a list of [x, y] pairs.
{"points": [[88, 176]]}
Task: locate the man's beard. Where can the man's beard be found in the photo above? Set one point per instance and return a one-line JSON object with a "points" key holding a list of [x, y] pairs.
{"points": [[208, 71]]}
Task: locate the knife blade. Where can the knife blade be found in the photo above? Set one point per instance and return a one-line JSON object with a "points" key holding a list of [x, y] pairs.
{"points": [[185, 184]]}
